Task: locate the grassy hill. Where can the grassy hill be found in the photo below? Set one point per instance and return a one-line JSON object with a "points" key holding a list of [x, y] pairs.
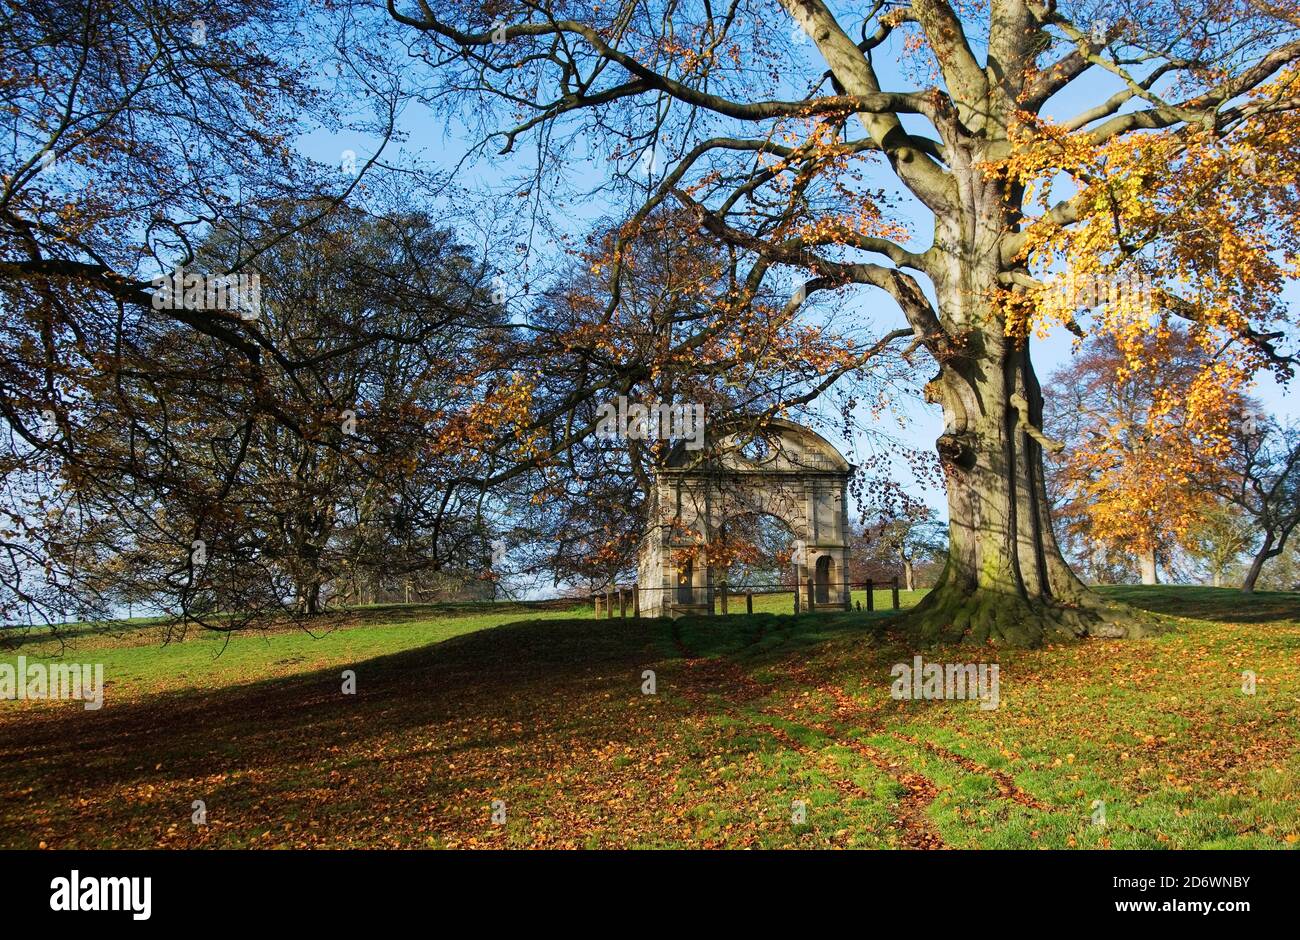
{"points": [[542, 708]]}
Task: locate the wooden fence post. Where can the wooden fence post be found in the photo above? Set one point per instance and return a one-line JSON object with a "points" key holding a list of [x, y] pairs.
{"points": [[871, 594], [597, 601], [636, 600], [796, 596], [749, 602], [812, 599], [609, 604], [895, 590], [724, 597], [622, 604]]}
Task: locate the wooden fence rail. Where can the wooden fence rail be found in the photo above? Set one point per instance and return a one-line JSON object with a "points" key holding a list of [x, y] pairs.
{"points": [[805, 597]]}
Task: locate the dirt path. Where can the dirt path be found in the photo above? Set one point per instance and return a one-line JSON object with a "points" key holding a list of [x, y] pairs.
{"points": [[1007, 787], [912, 823], [914, 829]]}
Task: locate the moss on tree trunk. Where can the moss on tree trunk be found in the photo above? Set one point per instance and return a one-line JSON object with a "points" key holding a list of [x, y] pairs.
{"points": [[1006, 581]]}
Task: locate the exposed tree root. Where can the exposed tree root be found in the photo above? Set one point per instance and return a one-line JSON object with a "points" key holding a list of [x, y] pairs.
{"points": [[951, 615]]}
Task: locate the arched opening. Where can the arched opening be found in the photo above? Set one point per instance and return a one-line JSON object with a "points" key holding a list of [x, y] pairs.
{"points": [[823, 579], [686, 581], [756, 449], [759, 551]]}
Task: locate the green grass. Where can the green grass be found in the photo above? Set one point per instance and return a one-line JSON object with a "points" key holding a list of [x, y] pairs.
{"points": [[1226, 605], [138, 658], [137, 655], [543, 709]]}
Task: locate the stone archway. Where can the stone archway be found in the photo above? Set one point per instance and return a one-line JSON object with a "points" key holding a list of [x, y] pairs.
{"points": [[795, 475]]}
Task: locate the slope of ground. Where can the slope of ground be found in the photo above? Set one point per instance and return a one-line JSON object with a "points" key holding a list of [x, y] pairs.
{"points": [[764, 730]]}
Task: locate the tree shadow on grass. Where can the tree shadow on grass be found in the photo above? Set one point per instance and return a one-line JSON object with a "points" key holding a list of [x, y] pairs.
{"points": [[434, 733], [760, 636], [515, 697]]}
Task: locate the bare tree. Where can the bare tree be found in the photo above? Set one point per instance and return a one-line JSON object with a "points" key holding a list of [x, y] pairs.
{"points": [[132, 133], [1266, 486], [1218, 539]]}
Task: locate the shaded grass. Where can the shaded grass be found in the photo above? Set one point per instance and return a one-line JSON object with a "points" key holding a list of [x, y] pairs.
{"points": [[1224, 605]]}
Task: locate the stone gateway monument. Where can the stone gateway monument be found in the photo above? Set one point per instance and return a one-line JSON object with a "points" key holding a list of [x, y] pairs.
{"points": [[790, 472]]}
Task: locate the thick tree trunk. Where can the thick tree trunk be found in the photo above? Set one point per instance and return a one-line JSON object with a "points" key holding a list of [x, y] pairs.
{"points": [[909, 575], [1147, 566], [1006, 581], [1218, 577]]}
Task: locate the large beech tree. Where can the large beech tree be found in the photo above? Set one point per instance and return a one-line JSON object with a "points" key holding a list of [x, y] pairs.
{"points": [[1135, 159]]}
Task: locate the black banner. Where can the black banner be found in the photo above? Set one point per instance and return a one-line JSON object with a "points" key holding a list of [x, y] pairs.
{"points": [[144, 891]]}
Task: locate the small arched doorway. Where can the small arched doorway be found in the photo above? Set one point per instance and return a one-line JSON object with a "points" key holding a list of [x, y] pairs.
{"points": [[823, 579], [686, 581]]}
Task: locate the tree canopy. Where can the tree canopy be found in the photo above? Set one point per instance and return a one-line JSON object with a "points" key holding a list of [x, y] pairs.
{"points": [[1170, 197], [987, 171]]}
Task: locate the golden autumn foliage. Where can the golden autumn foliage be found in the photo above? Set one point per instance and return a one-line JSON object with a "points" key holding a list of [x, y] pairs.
{"points": [[1193, 221], [1144, 445]]}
